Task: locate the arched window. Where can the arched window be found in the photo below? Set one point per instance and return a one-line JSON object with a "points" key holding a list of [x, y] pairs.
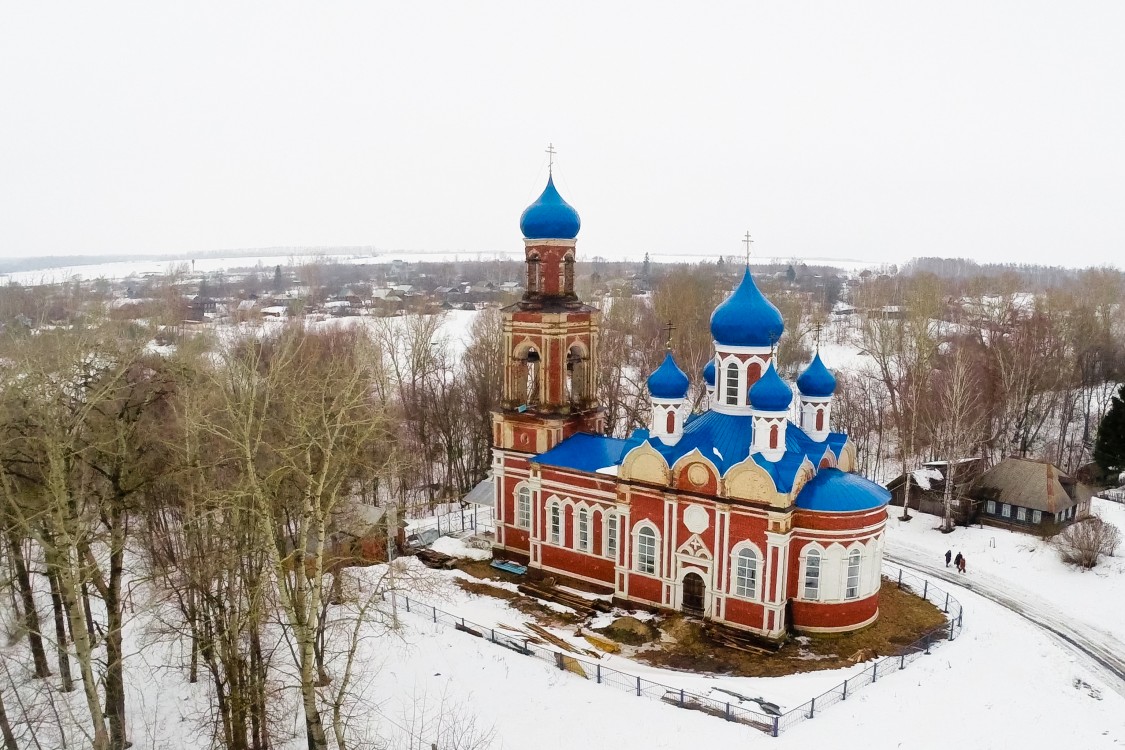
{"points": [[556, 524], [773, 436], [646, 551], [812, 575], [746, 574], [611, 536], [819, 420], [568, 275], [533, 274], [732, 384], [852, 590], [670, 421], [523, 507], [575, 374], [583, 530]]}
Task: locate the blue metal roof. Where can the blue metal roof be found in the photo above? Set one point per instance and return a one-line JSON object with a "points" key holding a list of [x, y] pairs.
{"points": [[835, 491], [746, 318], [550, 217], [584, 452], [817, 380], [771, 393], [668, 380]]}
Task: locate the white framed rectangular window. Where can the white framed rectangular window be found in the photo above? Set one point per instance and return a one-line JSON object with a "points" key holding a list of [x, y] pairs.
{"points": [[746, 574], [1036, 516], [812, 576], [523, 508], [852, 590], [646, 551], [1021, 514], [1005, 510], [584, 530], [990, 507], [611, 536], [556, 524], [732, 384]]}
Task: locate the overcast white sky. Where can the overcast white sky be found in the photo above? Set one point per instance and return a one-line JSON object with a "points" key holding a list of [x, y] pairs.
{"points": [[875, 130]]}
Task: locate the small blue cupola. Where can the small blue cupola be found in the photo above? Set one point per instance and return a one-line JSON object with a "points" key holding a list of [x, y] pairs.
{"points": [[771, 393], [709, 373], [746, 318], [668, 381], [668, 386], [550, 217], [817, 380]]}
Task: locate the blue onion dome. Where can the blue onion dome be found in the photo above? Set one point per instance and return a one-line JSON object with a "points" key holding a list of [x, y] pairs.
{"points": [[746, 318], [835, 491], [668, 381], [709, 372], [771, 393], [550, 217], [817, 380]]}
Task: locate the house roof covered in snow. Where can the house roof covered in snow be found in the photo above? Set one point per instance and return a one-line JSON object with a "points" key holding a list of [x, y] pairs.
{"points": [[1027, 483]]}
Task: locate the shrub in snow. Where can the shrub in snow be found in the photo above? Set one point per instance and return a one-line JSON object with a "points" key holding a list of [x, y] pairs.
{"points": [[1084, 543]]}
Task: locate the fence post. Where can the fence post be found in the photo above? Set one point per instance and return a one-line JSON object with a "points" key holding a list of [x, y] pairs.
{"points": [[927, 643], [900, 578], [492, 634], [845, 690], [728, 711], [902, 661], [951, 630], [812, 708], [559, 660], [435, 613], [407, 598], [599, 666], [945, 609], [774, 732], [638, 686], [925, 588], [875, 671], [681, 697]]}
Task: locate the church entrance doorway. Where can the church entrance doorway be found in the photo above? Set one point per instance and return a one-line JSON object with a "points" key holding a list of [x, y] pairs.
{"points": [[694, 590]]}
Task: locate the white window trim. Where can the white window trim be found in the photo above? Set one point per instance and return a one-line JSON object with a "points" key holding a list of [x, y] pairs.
{"points": [[990, 507], [637, 548], [555, 506], [1021, 513], [1005, 510], [812, 550], [735, 555], [1036, 516], [521, 487], [609, 524], [857, 554], [579, 510], [740, 378]]}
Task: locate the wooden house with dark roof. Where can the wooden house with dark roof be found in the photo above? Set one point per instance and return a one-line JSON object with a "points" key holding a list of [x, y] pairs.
{"points": [[1024, 494]]}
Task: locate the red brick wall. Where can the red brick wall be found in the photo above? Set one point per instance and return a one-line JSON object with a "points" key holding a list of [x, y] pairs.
{"points": [[577, 563], [834, 614], [643, 587], [743, 612]]}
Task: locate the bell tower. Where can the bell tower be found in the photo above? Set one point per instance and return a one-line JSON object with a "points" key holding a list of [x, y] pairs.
{"points": [[550, 339]]}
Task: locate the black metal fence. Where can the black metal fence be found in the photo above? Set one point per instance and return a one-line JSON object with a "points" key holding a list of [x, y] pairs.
{"points": [[474, 518], [735, 710]]}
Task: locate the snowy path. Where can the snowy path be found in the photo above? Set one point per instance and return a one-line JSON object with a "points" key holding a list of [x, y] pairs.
{"points": [[1105, 651]]}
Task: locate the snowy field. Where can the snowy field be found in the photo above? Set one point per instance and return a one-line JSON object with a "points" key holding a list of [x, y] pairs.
{"points": [[124, 269]]}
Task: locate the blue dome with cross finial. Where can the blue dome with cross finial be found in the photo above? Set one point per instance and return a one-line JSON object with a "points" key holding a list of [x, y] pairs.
{"points": [[746, 318], [668, 381], [550, 217], [771, 393], [817, 380]]}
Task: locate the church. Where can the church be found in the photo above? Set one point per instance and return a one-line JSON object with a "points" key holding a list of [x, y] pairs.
{"points": [[748, 514]]}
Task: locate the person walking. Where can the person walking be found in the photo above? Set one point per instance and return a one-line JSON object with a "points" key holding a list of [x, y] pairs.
{"points": [[961, 565], [957, 562], [948, 556]]}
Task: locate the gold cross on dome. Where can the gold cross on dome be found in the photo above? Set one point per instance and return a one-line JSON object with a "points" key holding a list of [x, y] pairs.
{"points": [[818, 336], [748, 242], [668, 328], [551, 157]]}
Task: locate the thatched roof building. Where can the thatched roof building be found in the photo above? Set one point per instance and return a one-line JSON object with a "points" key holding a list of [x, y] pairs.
{"points": [[1025, 492]]}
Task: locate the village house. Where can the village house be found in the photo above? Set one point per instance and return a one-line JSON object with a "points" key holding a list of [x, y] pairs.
{"points": [[1023, 494], [927, 488]]}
